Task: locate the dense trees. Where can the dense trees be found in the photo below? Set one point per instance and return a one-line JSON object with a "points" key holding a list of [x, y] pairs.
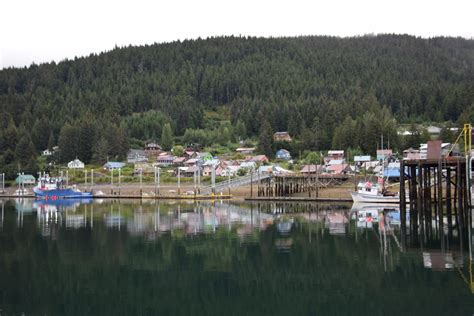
{"points": [[309, 86]]}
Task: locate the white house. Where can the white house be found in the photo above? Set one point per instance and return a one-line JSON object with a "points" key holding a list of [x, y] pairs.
{"points": [[75, 164], [46, 152]]}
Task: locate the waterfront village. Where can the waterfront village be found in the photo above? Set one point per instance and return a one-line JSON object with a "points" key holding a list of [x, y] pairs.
{"points": [[190, 163]]}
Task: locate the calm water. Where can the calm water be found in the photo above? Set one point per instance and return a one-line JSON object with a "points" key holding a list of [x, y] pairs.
{"points": [[130, 258]]}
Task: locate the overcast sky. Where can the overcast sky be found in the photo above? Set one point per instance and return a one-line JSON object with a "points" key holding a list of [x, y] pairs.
{"points": [[44, 30]]}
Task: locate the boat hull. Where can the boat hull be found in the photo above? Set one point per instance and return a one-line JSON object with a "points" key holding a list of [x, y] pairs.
{"points": [[371, 198], [61, 194]]}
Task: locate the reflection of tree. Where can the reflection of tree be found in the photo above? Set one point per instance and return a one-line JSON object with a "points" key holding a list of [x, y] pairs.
{"points": [[104, 271]]}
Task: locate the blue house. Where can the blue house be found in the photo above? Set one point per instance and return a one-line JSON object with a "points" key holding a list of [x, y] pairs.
{"points": [[283, 154]]}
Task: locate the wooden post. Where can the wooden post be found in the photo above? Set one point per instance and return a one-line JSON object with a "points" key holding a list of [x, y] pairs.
{"points": [[449, 202], [402, 202], [440, 203]]}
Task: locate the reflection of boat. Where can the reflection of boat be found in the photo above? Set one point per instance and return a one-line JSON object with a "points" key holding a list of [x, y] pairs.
{"points": [[61, 203], [368, 192], [367, 213], [54, 188]]}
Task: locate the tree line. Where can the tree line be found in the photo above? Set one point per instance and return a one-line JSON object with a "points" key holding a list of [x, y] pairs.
{"points": [[326, 91]]}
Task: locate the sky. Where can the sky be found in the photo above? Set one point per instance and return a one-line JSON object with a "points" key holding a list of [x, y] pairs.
{"points": [[38, 31]]}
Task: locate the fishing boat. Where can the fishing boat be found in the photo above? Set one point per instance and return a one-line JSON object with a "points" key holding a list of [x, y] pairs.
{"points": [[54, 188], [369, 192]]}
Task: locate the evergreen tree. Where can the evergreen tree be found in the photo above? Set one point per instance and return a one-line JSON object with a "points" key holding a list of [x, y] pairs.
{"points": [[167, 137], [265, 139], [25, 154], [241, 130]]}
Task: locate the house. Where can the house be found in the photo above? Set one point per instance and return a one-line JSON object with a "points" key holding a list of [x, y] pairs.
{"points": [[230, 171], [25, 179], [338, 169], [384, 154], [245, 150], [207, 170], [179, 161], [411, 154], [258, 158], [335, 154], [136, 155], [191, 162], [152, 149], [143, 167], [75, 164], [444, 149], [190, 153], [189, 171], [113, 165], [433, 130], [334, 162], [250, 165], [46, 152], [283, 154], [361, 159], [282, 137], [164, 159], [312, 169]]}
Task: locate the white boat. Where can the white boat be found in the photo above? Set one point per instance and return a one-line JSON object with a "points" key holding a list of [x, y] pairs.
{"points": [[368, 192]]}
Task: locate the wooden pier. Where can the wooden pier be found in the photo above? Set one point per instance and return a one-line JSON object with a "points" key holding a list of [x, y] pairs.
{"points": [[436, 189], [287, 185]]}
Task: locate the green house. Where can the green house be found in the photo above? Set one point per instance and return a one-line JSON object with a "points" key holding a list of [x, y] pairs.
{"points": [[25, 179]]}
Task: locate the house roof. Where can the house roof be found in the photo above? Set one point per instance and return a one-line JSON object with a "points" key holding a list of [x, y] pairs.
{"points": [[336, 162], [245, 149], [137, 152], [283, 151], [114, 164], [25, 177], [75, 161], [338, 168], [281, 133], [191, 161], [336, 152], [361, 158], [179, 159]]}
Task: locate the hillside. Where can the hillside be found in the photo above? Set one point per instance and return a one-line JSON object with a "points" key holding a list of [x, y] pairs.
{"points": [[94, 106]]}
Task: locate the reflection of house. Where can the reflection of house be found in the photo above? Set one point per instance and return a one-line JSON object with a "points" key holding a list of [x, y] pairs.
{"points": [[75, 164], [136, 155], [282, 136], [283, 154], [440, 261]]}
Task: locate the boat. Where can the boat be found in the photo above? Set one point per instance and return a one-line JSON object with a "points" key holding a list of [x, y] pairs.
{"points": [[369, 192], [54, 188]]}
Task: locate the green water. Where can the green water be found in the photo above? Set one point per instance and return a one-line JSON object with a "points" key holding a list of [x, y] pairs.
{"points": [[130, 258]]}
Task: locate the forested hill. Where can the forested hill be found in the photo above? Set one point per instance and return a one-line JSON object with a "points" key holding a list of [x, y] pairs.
{"points": [[306, 85]]}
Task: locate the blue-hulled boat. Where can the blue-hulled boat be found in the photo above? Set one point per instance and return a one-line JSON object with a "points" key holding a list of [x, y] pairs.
{"points": [[54, 188]]}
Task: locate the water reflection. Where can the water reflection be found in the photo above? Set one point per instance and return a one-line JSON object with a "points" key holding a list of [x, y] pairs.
{"points": [[267, 258]]}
